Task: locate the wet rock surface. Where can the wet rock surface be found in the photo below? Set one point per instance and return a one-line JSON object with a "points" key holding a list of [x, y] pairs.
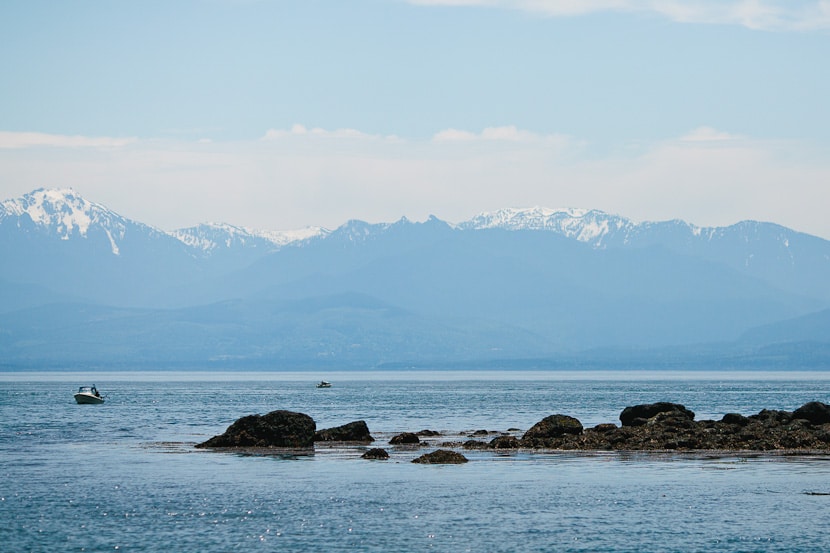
{"points": [[405, 438], [441, 457], [376, 453], [284, 429], [659, 426], [356, 431], [551, 428], [638, 415], [669, 426]]}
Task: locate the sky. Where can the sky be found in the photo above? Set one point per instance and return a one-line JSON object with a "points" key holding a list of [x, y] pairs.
{"points": [[281, 114]]}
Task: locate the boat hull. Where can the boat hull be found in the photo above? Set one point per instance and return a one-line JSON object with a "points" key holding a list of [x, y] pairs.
{"points": [[88, 399]]}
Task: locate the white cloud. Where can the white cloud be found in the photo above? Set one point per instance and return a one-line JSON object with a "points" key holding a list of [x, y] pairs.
{"points": [[508, 133], [774, 15], [301, 130], [707, 134], [16, 140], [455, 135]]}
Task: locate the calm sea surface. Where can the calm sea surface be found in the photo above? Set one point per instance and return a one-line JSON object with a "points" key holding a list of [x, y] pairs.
{"points": [[124, 476]]}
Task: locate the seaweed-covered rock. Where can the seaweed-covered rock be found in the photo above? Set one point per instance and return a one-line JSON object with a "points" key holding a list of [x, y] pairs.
{"points": [[735, 418], [275, 429], [814, 412], [505, 442], [376, 453], [772, 417], [441, 457], [428, 433], [553, 427], [405, 438], [604, 427], [356, 431], [638, 415], [475, 444]]}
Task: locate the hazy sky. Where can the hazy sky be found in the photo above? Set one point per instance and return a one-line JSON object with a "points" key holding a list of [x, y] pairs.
{"points": [[278, 114]]}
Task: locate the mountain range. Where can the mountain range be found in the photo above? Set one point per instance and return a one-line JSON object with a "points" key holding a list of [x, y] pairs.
{"points": [[83, 287]]}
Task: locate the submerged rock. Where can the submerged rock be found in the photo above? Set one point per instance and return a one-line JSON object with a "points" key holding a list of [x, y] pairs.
{"points": [[356, 431], [275, 429], [505, 442], [428, 433], [376, 453], [405, 438], [441, 457]]}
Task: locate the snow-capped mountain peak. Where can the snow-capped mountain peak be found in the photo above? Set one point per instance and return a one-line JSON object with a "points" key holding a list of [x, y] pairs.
{"points": [[210, 237], [65, 213], [585, 225], [60, 209]]}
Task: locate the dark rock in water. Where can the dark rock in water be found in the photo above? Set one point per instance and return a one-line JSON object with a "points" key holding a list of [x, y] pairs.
{"points": [[815, 412], [405, 438], [638, 415], [735, 418], [441, 457], [275, 429], [505, 442], [428, 433], [352, 432], [376, 453], [553, 427], [475, 444]]}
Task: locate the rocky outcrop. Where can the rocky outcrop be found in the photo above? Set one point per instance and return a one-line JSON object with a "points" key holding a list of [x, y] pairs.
{"points": [[813, 412], [669, 426], [441, 457], [505, 442], [356, 431], [405, 438], [376, 453], [275, 429], [651, 427], [638, 415], [550, 428]]}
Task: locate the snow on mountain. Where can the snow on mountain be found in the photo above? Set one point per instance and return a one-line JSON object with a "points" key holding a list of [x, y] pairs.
{"points": [[63, 212], [602, 230], [211, 237], [58, 209], [66, 214], [590, 226]]}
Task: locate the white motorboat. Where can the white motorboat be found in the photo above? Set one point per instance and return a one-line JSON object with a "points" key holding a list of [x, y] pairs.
{"points": [[88, 395], [324, 384]]}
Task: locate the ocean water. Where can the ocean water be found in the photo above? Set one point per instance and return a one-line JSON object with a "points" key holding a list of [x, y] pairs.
{"points": [[124, 476]]}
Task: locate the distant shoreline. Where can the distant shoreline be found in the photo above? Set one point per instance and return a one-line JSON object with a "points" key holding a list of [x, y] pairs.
{"points": [[312, 376]]}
